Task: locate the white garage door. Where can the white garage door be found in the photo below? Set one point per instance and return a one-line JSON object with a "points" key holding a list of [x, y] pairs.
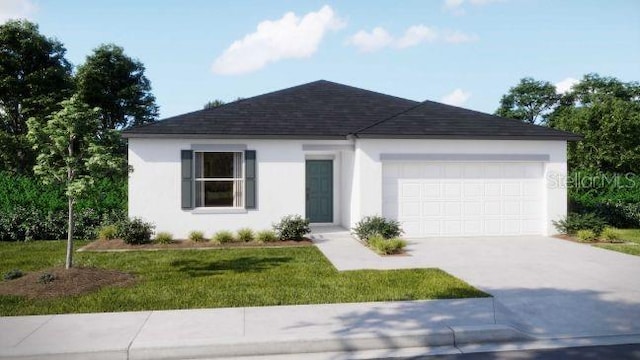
{"points": [[464, 199]]}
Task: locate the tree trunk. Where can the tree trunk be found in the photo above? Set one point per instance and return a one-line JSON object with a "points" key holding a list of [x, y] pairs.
{"points": [[69, 262]]}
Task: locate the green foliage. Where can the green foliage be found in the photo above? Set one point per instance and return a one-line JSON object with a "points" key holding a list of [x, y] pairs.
{"points": [[223, 236], [197, 236], [574, 222], [218, 279], [245, 234], [529, 101], [266, 236], [135, 231], [586, 235], [46, 278], [163, 237], [292, 227], [108, 232], [213, 104], [613, 197], [385, 246], [377, 225], [606, 112], [34, 78], [12, 274], [116, 83], [611, 234]]}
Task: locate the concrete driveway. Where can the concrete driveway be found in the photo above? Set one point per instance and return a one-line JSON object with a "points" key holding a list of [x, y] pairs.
{"points": [[544, 286]]}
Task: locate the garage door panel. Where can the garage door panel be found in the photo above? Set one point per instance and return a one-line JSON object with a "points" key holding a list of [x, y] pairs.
{"points": [[410, 190], [473, 189], [431, 209], [431, 190], [464, 199], [409, 209], [452, 190]]}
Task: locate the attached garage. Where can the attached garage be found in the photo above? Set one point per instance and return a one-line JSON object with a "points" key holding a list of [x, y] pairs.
{"points": [[465, 198]]}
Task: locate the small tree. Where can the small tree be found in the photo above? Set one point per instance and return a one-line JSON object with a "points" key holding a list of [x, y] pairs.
{"points": [[71, 151], [529, 101]]}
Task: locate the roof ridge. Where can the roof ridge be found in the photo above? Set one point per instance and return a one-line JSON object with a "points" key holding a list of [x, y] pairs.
{"points": [[386, 119]]}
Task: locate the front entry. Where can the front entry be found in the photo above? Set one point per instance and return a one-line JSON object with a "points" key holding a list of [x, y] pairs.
{"points": [[319, 191]]}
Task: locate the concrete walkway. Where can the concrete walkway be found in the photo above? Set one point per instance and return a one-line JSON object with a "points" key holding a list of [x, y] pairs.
{"points": [[546, 287]]}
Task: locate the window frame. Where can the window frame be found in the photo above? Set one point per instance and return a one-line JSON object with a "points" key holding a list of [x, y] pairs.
{"points": [[238, 182]]}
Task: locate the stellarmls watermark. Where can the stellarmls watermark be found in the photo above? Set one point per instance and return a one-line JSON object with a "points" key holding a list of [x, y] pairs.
{"points": [[580, 180]]}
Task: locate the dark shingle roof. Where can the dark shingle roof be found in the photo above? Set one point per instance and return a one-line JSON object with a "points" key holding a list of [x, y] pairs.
{"points": [[319, 109], [439, 121], [323, 109]]}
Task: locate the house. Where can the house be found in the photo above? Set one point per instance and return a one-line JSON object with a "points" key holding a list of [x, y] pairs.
{"points": [[335, 153]]}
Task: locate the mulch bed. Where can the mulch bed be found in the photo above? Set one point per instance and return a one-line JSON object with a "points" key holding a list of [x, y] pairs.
{"points": [[75, 281], [574, 239], [119, 245]]}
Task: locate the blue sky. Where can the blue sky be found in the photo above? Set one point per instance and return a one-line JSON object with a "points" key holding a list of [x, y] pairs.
{"points": [[464, 52]]}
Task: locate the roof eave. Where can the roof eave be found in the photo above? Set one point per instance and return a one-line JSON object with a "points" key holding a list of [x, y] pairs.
{"points": [[470, 137], [133, 135]]}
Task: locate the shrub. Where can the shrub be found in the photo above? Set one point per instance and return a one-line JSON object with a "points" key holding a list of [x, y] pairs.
{"points": [[31, 210], [13, 274], [197, 236], [292, 227], [377, 225], [163, 237], [107, 232], [386, 246], [586, 235], [266, 236], [46, 278], [135, 231], [574, 222], [246, 234], [223, 236], [610, 234]]}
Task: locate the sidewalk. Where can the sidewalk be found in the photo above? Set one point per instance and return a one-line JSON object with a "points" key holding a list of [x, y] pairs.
{"points": [[321, 331]]}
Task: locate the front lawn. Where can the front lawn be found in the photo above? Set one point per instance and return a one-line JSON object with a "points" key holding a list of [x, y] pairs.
{"points": [[222, 278], [631, 245]]}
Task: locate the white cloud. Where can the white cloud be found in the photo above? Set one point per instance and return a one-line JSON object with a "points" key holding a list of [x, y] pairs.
{"points": [[379, 38], [16, 9], [415, 35], [375, 40], [565, 85], [457, 97], [289, 37], [455, 6]]}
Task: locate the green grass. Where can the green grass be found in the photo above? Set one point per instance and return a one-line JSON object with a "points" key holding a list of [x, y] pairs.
{"points": [[632, 245], [223, 278]]}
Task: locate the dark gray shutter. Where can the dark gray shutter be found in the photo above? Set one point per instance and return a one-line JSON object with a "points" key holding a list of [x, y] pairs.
{"points": [[186, 157], [250, 179]]}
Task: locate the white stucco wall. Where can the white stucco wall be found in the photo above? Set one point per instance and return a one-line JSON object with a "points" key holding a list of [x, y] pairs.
{"points": [[154, 185], [367, 199]]}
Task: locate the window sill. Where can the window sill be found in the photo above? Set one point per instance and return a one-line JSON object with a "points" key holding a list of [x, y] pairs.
{"points": [[219, 211]]}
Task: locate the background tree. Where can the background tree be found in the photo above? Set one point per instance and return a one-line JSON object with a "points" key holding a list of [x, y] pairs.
{"points": [[71, 152], [529, 101], [606, 112], [114, 82], [213, 104], [34, 78]]}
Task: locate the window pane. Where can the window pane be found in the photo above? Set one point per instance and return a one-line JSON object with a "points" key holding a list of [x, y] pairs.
{"points": [[214, 193], [214, 165]]}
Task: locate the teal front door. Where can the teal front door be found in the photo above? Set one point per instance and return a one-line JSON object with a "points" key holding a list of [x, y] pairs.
{"points": [[319, 190]]}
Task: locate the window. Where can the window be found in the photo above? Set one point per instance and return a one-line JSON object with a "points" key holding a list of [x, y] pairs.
{"points": [[219, 179]]}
